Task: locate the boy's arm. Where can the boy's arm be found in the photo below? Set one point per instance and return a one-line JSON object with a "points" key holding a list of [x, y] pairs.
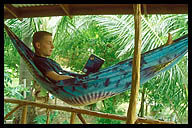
{"points": [[55, 76]]}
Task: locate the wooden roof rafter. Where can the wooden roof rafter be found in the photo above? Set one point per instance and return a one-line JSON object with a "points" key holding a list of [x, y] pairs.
{"points": [[66, 9], [12, 11]]}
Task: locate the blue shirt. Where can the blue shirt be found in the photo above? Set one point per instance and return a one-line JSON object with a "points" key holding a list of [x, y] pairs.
{"points": [[45, 65]]}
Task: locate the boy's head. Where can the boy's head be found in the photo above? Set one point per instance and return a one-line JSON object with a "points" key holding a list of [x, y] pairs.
{"points": [[43, 44]]}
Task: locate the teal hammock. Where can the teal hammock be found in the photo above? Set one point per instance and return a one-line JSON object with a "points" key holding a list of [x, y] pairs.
{"points": [[105, 83]]}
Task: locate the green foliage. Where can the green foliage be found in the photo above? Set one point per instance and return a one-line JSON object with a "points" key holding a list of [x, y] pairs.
{"points": [[84, 39], [7, 78], [41, 119], [14, 92], [9, 90], [65, 122], [172, 92], [112, 38], [11, 56], [166, 89], [110, 107], [7, 109]]}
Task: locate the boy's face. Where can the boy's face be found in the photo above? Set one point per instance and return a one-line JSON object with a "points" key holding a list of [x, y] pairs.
{"points": [[45, 46]]}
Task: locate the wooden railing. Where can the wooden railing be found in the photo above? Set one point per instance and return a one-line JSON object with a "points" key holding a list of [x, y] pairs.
{"points": [[74, 111]]}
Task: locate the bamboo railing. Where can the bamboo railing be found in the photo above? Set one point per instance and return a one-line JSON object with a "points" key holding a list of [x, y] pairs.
{"points": [[74, 111]]}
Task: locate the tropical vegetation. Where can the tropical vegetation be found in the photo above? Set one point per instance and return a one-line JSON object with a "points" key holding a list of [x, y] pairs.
{"points": [[111, 37]]}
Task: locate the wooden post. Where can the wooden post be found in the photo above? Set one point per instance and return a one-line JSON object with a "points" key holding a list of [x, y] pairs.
{"points": [[131, 114], [72, 121], [24, 84], [48, 114], [81, 118], [24, 115]]}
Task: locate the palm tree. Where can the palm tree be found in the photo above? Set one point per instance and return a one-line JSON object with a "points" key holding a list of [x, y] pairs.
{"points": [[155, 30]]}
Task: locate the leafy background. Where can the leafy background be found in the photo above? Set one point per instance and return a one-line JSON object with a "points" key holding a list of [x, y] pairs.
{"points": [[111, 37]]}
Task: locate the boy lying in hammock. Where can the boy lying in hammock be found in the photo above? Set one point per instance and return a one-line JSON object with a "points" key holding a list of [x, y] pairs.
{"points": [[43, 45]]}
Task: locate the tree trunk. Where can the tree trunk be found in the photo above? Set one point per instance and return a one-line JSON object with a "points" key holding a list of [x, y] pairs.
{"points": [[141, 111], [24, 74]]}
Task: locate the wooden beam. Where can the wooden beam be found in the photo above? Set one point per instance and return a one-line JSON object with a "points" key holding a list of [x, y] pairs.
{"points": [[131, 114], [92, 9], [65, 8], [82, 111], [12, 11]]}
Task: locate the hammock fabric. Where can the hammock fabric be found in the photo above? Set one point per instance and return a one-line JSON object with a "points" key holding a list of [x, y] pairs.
{"points": [[110, 81]]}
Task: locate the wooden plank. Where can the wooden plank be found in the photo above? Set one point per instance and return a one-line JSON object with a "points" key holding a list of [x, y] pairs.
{"points": [[73, 115], [131, 114], [24, 115]]}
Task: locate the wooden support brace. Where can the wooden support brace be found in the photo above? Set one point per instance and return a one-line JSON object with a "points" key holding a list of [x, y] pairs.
{"points": [[83, 111], [145, 10], [12, 11], [65, 9], [73, 115], [11, 112], [131, 114], [81, 118], [24, 115]]}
